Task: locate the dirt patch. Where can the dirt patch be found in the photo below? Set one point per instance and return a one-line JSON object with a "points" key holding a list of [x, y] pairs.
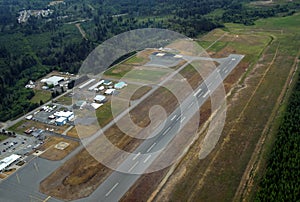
{"points": [[51, 150]]}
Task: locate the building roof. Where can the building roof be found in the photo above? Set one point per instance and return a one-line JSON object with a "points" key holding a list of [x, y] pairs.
{"points": [[4, 163], [96, 85], [96, 105], [110, 91], [107, 82], [100, 98], [120, 85], [54, 79], [64, 114], [61, 120]]}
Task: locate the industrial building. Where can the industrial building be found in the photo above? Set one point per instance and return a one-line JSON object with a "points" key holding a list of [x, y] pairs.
{"points": [[61, 121], [54, 80], [6, 162], [68, 115]]}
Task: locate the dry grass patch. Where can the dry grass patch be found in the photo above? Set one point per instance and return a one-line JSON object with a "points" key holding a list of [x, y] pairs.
{"points": [[52, 152]]}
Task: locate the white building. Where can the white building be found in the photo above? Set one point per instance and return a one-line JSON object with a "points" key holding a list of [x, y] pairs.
{"points": [[100, 98], [110, 91], [54, 80], [6, 162], [68, 115]]}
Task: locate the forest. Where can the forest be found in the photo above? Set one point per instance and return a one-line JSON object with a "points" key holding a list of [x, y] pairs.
{"points": [[30, 50], [281, 179]]}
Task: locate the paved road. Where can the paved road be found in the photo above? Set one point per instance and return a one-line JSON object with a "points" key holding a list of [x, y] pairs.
{"points": [[118, 183]]}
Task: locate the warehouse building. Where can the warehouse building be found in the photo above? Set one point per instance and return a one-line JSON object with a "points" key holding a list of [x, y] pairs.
{"points": [[54, 80], [6, 162]]}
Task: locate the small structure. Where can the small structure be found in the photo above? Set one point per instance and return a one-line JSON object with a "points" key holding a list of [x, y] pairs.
{"points": [[96, 85], [37, 133], [62, 145], [6, 162], [29, 117], [120, 85], [61, 121], [96, 105], [101, 88], [100, 98], [80, 104], [54, 80], [110, 91], [107, 82], [160, 54]]}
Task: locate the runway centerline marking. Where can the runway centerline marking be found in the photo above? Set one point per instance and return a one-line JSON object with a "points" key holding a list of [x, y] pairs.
{"points": [[108, 193], [145, 161], [166, 131], [136, 163], [151, 147], [191, 105], [136, 156], [198, 91]]}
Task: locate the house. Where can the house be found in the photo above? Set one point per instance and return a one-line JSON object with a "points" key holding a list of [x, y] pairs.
{"points": [[61, 121], [100, 98], [120, 85], [54, 80], [107, 82], [110, 91]]}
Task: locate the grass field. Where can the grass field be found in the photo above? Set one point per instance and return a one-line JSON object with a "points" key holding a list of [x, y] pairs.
{"points": [[64, 100], [41, 95], [3, 137], [269, 57]]}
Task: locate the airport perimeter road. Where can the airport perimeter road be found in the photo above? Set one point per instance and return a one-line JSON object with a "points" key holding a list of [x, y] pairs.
{"points": [[117, 184]]}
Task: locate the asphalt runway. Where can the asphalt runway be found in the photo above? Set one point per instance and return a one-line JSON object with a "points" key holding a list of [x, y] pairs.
{"points": [[23, 185], [118, 183]]}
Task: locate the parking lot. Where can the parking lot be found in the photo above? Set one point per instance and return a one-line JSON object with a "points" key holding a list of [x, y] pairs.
{"points": [[42, 116], [18, 145]]}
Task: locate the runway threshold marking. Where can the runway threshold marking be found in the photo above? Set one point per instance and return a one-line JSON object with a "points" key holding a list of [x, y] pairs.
{"points": [[151, 147], [136, 163], [108, 193], [137, 155], [145, 161]]}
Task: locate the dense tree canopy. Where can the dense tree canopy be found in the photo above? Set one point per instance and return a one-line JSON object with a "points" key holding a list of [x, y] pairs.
{"points": [[30, 50]]}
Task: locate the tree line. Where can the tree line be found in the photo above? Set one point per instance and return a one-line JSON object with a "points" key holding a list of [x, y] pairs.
{"points": [[281, 180]]}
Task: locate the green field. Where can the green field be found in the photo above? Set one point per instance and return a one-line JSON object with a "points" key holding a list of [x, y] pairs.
{"points": [[41, 95], [3, 137]]}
